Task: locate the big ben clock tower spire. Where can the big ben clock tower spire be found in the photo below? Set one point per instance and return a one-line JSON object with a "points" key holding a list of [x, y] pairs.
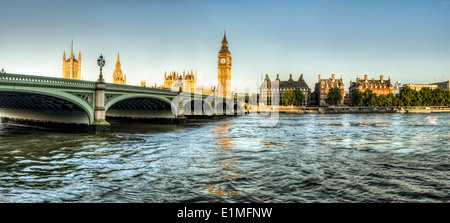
{"points": [[224, 69]]}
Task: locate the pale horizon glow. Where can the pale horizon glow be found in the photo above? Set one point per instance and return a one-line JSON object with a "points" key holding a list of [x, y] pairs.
{"points": [[406, 40]]}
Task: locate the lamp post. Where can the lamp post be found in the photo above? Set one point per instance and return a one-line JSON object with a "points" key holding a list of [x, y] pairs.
{"points": [[101, 64], [100, 125]]}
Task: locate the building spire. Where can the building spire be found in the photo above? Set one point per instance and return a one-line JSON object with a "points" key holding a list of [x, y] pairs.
{"points": [[224, 36], [118, 61], [71, 50], [224, 48]]}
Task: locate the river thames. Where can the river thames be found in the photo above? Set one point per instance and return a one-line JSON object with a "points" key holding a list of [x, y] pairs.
{"points": [[302, 159]]}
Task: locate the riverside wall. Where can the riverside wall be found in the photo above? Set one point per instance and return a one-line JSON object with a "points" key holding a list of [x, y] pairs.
{"points": [[338, 110]]}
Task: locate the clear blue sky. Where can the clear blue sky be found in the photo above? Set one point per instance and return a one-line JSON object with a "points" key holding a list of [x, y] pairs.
{"points": [[406, 40]]}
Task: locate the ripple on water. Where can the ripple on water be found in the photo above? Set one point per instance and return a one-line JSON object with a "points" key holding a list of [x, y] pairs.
{"points": [[305, 158]]}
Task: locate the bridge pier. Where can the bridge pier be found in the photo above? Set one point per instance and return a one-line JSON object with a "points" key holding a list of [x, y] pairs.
{"points": [[100, 125]]}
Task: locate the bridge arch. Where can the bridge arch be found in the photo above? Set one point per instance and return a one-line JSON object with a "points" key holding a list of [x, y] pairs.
{"points": [[190, 106], [37, 99], [140, 106], [239, 110], [223, 108]]}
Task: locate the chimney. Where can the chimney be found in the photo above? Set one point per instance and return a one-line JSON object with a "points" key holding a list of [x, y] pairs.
{"points": [[319, 77], [365, 77], [332, 76], [381, 77], [301, 78]]}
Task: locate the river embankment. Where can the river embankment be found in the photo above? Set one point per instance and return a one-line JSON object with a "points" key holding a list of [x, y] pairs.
{"points": [[338, 110]]}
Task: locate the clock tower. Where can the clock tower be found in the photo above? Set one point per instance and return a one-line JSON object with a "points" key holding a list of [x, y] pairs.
{"points": [[224, 70]]}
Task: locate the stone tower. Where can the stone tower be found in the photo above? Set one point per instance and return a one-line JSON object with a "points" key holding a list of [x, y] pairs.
{"points": [[72, 66], [118, 77], [224, 70]]}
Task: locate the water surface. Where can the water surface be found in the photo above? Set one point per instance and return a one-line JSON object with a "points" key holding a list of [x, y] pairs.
{"points": [[305, 158]]}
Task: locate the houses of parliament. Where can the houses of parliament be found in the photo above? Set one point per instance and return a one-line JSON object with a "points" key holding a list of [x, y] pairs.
{"points": [[187, 81]]}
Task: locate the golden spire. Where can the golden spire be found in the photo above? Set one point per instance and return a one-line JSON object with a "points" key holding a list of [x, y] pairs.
{"points": [[118, 60], [71, 50]]}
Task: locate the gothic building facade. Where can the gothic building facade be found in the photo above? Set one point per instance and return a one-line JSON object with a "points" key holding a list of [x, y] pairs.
{"points": [[72, 66], [268, 89], [188, 81], [118, 76], [224, 70]]}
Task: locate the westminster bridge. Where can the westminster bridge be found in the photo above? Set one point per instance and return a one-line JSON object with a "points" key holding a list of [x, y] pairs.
{"points": [[57, 100]]}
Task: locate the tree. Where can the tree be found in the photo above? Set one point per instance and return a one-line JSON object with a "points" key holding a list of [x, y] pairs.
{"points": [[439, 97], [447, 98], [289, 97], [390, 100], [416, 99], [427, 96], [407, 96], [369, 98], [398, 102], [382, 100], [299, 97], [334, 96], [357, 98]]}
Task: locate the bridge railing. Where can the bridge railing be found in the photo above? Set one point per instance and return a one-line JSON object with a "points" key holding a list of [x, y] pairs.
{"points": [[139, 89], [33, 80], [46, 81]]}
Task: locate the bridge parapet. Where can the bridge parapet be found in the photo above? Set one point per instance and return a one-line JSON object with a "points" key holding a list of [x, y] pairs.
{"points": [[32, 80], [139, 89]]}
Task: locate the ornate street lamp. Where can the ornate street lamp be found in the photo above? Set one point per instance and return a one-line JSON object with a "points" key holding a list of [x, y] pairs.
{"points": [[101, 63]]}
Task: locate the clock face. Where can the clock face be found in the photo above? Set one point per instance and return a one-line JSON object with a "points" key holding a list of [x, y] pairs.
{"points": [[223, 60]]}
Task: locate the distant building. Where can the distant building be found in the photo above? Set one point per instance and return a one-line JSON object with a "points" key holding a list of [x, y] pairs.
{"points": [[443, 85], [72, 66], [283, 86], [266, 91], [118, 77], [417, 87], [188, 83], [224, 70], [347, 98], [379, 87], [397, 86], [324, 85]]}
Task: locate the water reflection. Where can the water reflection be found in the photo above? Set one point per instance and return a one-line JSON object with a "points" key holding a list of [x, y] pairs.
{"points": [[220, 182], [306, 158]]}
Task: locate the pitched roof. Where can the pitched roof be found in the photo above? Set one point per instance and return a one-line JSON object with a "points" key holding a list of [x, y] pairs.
{"points": [[224, 48], [371, 83]]}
